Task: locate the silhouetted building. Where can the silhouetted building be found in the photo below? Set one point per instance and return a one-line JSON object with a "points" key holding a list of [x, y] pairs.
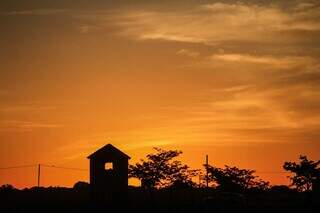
{"points": [[109, 174]]}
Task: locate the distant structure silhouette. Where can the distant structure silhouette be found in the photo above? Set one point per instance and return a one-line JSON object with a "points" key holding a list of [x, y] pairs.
{"points": [[109, 174]]}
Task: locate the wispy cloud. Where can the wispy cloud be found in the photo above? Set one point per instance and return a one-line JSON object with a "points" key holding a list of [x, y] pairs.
{"points": [[85, 29], [280, 62], [85, 146], [25, 107], [18, 126], [217, 22], [189, 53], [35, 12]]}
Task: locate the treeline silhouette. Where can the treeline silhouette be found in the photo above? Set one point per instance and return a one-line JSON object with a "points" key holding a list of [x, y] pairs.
{"points": [[168, 185]]}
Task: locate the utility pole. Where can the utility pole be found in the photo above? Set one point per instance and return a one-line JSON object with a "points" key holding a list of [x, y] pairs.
{"points": [[39, 175], [207, 163]]}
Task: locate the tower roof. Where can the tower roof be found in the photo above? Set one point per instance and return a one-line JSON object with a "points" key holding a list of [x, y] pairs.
{"points": [[108, 150]]}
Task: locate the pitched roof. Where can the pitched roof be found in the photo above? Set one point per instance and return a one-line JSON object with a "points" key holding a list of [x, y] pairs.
{"points": [[108, 150]]}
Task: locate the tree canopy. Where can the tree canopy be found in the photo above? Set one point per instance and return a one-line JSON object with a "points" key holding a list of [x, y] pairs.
{"points": [[161, 170], [234, 179], [306, 173]]}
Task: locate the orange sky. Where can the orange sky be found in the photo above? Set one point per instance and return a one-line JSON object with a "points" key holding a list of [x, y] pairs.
{"points": [[237, 81]]}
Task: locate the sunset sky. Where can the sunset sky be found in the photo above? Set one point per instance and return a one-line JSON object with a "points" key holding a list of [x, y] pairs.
{"points": [[237, 80]]}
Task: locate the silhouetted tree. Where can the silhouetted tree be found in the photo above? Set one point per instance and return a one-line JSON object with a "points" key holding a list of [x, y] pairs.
{"points": [[180, 175], [159, 170], [235, 179], [306, 173], [7, 187]]}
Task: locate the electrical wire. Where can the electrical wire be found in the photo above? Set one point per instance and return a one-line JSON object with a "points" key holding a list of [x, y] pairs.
{"points": [[61, 167], [18, 167]]}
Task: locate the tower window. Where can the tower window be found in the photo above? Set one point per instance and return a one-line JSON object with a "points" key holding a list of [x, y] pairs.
{"points": [[108, 166]]}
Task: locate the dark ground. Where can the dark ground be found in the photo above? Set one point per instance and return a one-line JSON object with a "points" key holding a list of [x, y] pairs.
{"points": [[57, 199]]}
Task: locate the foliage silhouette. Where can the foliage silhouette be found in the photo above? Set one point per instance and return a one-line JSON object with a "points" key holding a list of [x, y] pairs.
{"points": [[171, 192], [234, 179], [160, 170], [306, 173], [7, 187]]}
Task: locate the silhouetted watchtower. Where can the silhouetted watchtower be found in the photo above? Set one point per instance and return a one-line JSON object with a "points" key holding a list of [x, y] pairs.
{"points": [[108, 174]]}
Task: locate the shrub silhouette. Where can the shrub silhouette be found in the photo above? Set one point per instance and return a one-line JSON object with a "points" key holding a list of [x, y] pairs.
{"points": [[81, 186]]}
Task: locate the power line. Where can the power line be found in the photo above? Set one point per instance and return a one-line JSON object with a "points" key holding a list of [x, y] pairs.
{"points": [[61, 167], [20, 166], [39, 169], [44, 165]]}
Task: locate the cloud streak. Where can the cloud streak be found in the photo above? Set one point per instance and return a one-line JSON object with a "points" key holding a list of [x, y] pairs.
{"points": [[218, 22], [188, 53], [277, 62], [35, 12], [23, 126]]}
